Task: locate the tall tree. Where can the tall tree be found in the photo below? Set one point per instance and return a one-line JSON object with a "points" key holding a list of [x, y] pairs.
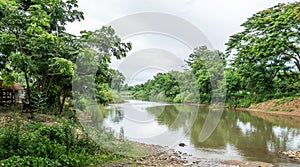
{"points": [[117, 80], [34, 41], [208, 67], [268, 47], [93, 62], [271, 36]]}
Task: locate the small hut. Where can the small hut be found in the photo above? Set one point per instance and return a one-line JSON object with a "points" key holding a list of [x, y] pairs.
{"points": [[10, 94]]}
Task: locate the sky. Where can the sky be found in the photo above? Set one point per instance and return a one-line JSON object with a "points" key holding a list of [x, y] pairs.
{"points": [[164, 32]]}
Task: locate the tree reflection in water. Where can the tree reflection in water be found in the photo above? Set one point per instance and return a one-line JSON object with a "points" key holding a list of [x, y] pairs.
{"points": [[254, 137]]}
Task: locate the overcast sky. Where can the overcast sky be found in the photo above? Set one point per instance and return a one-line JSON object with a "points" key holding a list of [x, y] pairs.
{"points": [[216, 20]]}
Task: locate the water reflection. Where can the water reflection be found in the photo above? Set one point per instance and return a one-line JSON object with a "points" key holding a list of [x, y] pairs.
{"points": [[116, 115], [239, 135]]}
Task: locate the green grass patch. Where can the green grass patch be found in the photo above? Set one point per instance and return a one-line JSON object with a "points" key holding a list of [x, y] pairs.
{"points": [[256, 106], [284, 100], [287, 110], [273, 109]]}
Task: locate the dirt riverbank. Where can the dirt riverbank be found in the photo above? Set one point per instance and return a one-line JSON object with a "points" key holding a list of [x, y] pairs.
{"points": [[284, 106]]}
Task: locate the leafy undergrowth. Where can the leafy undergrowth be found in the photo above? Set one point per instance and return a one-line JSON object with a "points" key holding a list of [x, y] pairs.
{"points": [[287, 104], [55, 142]]}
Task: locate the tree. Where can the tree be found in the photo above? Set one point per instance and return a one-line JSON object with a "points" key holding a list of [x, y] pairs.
{"points": [[117, 80], [208, 67], [268, 48], [33, 39], [93, 62], [271, 36]]}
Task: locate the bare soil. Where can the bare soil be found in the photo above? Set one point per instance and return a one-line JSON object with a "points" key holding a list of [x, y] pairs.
{"points": [[288, 107]]}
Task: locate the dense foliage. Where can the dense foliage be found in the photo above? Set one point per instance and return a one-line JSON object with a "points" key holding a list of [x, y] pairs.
{"points": [[172, 86], [266, 56], [37, 144], [196, 85], [35, 49], [34, 43]]}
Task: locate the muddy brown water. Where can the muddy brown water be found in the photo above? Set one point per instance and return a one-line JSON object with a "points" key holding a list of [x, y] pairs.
{"points": [[237, 136]]}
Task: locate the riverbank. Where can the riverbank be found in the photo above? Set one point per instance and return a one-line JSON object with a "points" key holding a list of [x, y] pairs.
{"points": [[289, 106], [173, 158], [156, 154], [284, 106]]}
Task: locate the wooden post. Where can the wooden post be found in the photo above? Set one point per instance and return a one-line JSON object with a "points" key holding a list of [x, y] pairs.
{"points": [[1, 97], [11, 96]]}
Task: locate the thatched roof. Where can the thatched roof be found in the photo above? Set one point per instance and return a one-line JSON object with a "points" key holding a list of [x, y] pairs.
{"points": [[15, 86]]}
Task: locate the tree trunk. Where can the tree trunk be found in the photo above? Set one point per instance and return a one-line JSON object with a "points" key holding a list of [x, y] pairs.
{"points": [[28, 92], [57, 108], [63, 102], [297, 65]]}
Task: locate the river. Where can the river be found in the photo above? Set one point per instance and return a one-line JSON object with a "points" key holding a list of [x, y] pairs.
{"points": [[238, 135]]}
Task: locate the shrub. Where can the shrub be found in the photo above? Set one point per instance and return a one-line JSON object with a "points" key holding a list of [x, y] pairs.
{"points": [[37, 144], [178, 98]]}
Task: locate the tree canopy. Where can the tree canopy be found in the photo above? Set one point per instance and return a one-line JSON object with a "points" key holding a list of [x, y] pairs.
{"points": [[270, 38], [35, 44], [266, 53]]}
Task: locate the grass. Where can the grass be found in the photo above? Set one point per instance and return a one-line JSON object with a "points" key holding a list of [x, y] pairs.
{"points": [[284, 100], [273, 109], [256, 106], [287, 109], [47, 140]]}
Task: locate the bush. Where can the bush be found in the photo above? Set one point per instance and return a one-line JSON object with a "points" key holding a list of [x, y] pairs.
{"points": [[32, 161], [37, 144], [191, 98], [178, 98]]}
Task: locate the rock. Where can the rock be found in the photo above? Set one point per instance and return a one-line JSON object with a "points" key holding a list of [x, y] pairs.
{"points": [[236, 163], [293, 155], [182, 144]]}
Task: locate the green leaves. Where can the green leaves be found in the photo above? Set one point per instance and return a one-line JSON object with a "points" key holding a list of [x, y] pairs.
{"points": [[36, 144], [34, 43], [268, 48], [62, 66], [270, 33]]}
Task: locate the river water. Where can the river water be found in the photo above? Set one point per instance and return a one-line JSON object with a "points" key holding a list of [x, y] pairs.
{"points": [[238, 135]]}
